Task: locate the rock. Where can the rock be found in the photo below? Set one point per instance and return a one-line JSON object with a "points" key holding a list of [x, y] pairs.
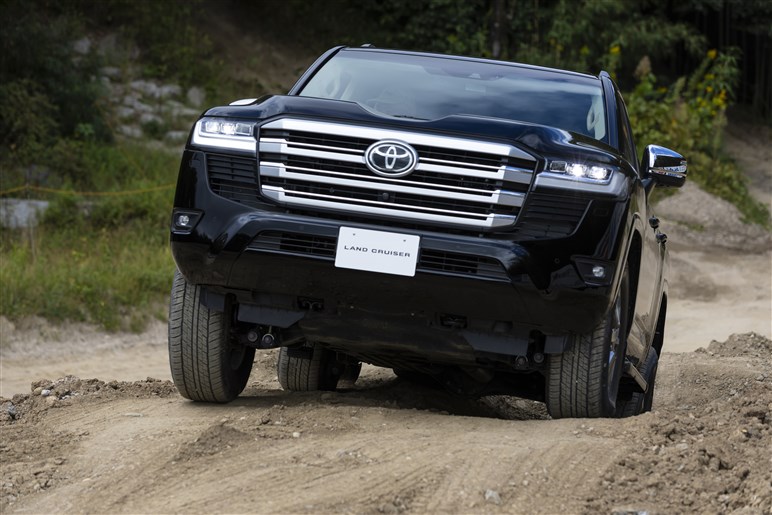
{"points": [[178, 109], [108, 44], [45, 392], [196, 96], [492, 496], [82, 46], [125, 112], [18, 214], [149, 118], [134, 415], [137, 105], [296, 434], [112, 72], [176, 136], [169, 90], [130, 131], [147, 88]]}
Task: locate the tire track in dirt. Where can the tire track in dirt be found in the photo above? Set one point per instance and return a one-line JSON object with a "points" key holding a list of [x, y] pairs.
{"points": [[180, 456], [387, 446]]}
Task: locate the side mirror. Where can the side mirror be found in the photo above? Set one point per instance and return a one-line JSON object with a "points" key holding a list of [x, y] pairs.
{"points": [[666, 167]]}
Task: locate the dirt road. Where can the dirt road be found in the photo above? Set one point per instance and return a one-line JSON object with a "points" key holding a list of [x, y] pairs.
{"points": [[388, 446]]}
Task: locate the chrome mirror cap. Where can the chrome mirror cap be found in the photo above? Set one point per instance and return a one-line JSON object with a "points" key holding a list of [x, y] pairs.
{"points": [[666, 167]]}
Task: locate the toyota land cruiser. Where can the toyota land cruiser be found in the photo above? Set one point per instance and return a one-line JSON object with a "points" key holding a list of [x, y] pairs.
{"points": [[480, 223]]}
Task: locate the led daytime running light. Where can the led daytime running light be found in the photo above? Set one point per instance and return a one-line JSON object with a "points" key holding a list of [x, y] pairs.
{"points": [[581, 171], [226, 128]]}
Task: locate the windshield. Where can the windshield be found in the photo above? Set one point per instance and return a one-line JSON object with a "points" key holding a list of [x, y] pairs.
{"points": [[428, 88]]}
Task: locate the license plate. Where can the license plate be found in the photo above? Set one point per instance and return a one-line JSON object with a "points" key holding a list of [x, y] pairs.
{"points": [[377, 251]]}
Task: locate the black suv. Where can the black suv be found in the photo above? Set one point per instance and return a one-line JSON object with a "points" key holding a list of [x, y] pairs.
{"points": [[482, 224]]}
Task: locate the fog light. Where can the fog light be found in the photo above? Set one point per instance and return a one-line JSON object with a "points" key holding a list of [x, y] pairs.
{"points": [[184, 221], [599, 271]]}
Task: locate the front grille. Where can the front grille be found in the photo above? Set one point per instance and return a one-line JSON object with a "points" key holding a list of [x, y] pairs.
{"points": [[431, 261], [233, 177], [461, 182], [461, 264], [294, 244]]}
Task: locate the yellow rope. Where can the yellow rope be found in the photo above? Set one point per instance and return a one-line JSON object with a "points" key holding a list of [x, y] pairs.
{"points": [[29, 187]]}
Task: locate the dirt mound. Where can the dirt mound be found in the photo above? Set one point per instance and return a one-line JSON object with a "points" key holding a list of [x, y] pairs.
{"points": [[33, 457], [694, 219], [708, 448], [46, 394], [750, 344]]}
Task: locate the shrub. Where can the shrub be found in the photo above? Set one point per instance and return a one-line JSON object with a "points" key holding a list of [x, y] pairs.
{"points": [[689, 117]]}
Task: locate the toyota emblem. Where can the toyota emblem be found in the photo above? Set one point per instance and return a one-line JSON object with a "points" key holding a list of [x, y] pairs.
{"points": [[391, 158]]}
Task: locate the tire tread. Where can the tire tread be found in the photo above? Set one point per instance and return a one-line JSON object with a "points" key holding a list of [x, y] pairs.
{"points": [[199, 348]]}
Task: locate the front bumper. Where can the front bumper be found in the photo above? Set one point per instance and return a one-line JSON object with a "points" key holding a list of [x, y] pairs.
{"points": [[471, 293]]}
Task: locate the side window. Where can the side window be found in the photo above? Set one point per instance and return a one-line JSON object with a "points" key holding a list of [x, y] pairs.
{"points": [[626, 143]]}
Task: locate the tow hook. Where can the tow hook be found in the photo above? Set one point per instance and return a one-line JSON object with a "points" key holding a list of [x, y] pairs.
{"points": [[256, 338]]}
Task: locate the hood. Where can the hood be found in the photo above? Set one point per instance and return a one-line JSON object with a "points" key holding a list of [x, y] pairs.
{"points": [[540, 140]]}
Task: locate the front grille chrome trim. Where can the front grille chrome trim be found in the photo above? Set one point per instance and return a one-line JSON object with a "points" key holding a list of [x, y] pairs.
{"points": [[500, 197], [413, 138], [458, 181], [313, 200]]}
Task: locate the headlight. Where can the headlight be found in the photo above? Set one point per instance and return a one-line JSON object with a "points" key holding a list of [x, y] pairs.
{"points": [[225, 133], [226, 128], [587, 172]]}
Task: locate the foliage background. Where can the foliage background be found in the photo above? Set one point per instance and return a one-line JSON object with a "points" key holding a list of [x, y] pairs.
{"points": [[105, 257]]}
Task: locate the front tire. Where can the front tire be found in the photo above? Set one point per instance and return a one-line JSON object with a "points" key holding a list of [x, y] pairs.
{"points": [[583, 381], [307, 368], [206, 364]]}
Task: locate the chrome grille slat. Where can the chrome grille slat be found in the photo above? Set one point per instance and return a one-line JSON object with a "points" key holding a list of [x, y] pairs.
{"points": [[369, 208], [458, 181], [386, 186]]}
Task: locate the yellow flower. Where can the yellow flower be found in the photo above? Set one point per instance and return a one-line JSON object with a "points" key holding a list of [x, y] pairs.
{"points": [[709, 89], [712, 53], [615, 50]]}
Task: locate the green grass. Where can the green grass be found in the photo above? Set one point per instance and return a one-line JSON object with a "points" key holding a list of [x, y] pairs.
{"points": [[101, 259], [116, 279]]}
